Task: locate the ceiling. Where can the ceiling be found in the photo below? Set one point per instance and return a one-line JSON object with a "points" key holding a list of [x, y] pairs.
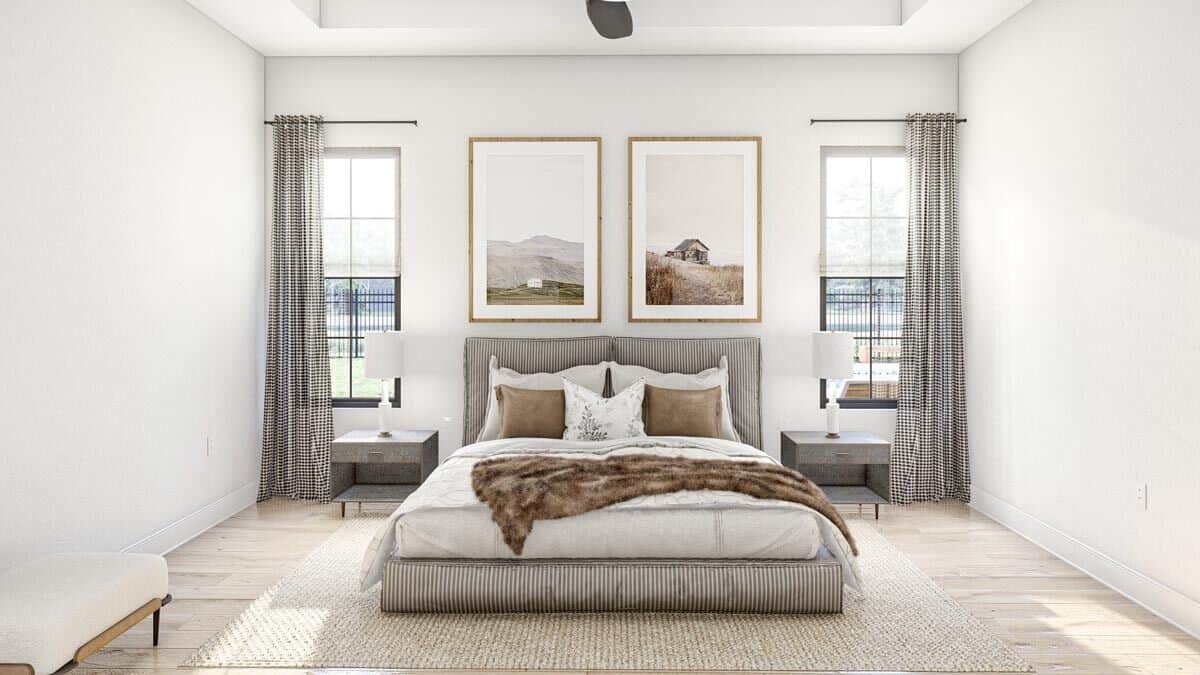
{"points": [[559, 27]]}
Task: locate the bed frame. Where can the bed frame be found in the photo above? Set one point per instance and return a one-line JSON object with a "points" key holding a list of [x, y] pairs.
{"points": [[593, 585]]}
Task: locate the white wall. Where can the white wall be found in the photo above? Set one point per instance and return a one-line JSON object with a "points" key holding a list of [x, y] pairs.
{"points": [[1081, 256], [613, 97], [131, 274]]}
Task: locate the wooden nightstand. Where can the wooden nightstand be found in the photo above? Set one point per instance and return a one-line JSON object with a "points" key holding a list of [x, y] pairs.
{"points": [[852, 469], [367, 468]]}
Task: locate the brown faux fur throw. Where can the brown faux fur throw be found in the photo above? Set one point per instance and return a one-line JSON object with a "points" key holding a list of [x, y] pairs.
{"points": [[523, 489]]}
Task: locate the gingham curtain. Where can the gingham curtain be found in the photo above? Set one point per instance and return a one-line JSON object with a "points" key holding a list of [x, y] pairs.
{"points": [[297, 420], [930, 460]]}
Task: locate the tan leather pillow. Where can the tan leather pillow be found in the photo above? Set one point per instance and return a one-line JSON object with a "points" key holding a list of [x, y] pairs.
{"points": [[531, 413], [682, 412]]}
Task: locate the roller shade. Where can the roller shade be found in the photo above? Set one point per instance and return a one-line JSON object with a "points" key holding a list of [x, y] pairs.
{"points": [[361, 213], [864, 212]]}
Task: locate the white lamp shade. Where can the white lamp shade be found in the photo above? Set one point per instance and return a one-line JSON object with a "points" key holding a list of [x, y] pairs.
{"points": [[833, 355], [385, 355]]}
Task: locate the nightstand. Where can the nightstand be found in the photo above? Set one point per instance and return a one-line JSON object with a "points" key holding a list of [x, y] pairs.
{"points": [[851, 469], [367, 468]]}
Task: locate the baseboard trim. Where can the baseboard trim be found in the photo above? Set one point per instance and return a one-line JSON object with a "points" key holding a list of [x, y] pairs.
{"points": [[196, 523], [1166, 602]]}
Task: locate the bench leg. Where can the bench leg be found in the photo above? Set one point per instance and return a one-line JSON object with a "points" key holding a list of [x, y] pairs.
{"points": [[155, 629]]}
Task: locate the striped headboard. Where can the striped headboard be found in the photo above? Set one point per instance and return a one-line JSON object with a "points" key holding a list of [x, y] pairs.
{"points": [[678, 355]]}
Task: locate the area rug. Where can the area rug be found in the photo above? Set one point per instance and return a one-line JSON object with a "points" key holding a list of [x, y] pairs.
{"points": [[317, 618]]}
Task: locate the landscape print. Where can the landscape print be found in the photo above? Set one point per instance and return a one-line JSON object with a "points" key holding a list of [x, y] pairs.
{"points": [[694, 235], [539, 270], [535, 230]]}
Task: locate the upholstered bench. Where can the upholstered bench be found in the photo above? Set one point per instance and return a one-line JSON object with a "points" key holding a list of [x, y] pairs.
{"points": [[57, 610]]}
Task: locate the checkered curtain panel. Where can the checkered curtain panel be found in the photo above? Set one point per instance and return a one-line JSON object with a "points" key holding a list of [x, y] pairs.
{"points": [[930, 461], [297, 419]]}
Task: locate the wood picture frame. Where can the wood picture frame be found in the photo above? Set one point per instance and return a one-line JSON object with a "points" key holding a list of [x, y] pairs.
{"points": [[519, 186], [689, 266]]}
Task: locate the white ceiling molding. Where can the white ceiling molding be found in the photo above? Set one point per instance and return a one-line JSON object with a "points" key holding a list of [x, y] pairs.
{"points": [[561, 27], [649, 14], [311, 9]]}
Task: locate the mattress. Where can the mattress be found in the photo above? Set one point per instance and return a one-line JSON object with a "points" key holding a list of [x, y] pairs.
{"points": [[697, 532], [443, 519]]}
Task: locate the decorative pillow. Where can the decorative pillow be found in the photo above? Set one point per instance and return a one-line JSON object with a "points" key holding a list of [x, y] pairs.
{"points": [[623, 376], [531, 413], [591, 417], [592, 377], [683, 412]]}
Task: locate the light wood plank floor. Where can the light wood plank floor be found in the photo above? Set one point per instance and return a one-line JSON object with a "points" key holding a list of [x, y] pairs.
{"points": [[1059, 619]]}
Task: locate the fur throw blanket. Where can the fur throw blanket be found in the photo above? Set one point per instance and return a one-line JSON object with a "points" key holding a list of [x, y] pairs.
{"points": [[520, 490]]}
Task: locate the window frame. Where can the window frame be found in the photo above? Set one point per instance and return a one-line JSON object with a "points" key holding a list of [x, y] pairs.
{"points": [[869, 151], [358, 152]]}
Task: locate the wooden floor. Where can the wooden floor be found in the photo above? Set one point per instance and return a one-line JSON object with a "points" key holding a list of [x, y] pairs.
{"points": [[1059, 619]]}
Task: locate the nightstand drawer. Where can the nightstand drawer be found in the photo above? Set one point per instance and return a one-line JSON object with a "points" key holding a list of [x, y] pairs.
{"points": [[375, 453], [843, 455]]}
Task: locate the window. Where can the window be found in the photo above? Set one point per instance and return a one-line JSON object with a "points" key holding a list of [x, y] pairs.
{"points": [[362, 278], [864, 211]]}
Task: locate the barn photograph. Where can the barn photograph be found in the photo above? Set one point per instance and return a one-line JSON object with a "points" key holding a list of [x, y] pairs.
{"points": [[694, 237]]}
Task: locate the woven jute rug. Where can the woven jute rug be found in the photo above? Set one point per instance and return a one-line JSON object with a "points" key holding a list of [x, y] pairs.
{"points": [[317, 618]]}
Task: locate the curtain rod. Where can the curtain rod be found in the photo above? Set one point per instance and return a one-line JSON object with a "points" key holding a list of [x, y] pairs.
{"points": [[412, 122], [832, 121]]}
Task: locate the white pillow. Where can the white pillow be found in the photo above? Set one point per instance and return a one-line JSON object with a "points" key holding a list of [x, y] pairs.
{"points": [[591, 417], [591, 377], [623, 376]]}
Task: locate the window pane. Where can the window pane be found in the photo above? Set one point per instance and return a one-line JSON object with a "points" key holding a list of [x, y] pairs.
{"points": [[889, 187], [337, 247], [859, 385], [848, 246], [336, 199], [847, 305], [373, 245], [885, 368], [887, 307], [374, 305], [337, 307], [889, 246], [374, 189], [339, 368], [847, 186], [362, 387]]}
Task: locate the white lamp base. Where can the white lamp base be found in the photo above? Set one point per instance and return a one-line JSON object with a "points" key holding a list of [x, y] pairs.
{"points": [[831, 419], [831, 412], [385, 410]]}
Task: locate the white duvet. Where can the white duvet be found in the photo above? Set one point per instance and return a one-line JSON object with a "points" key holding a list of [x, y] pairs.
{"points": [[444, 519]]}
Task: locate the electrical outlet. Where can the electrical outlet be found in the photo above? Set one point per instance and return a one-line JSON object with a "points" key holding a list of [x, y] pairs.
{"points": [[1143, 496]]}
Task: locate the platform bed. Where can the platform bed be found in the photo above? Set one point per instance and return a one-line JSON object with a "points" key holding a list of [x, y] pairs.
{"points": [[594, 584], [612, 585]]}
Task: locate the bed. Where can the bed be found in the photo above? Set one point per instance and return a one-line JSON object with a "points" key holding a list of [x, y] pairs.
{"points": [[711, 551]]}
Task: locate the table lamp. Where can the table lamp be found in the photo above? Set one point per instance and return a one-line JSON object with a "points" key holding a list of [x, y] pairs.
{"points": [[833, 360], [384, 361]]}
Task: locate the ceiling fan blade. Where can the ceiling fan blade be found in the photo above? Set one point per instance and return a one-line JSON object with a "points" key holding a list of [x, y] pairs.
{"points": [[611, 19]]}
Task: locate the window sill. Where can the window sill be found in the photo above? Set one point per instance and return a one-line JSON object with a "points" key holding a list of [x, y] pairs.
{"points": [[357, 402], [864, 404]]}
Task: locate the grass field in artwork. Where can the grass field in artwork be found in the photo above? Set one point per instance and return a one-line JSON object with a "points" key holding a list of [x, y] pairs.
{"points": [[674, 282], [564, 294]]}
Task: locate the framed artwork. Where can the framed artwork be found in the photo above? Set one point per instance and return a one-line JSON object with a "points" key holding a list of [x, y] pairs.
{"points": [[695, 229], [534, 229]]}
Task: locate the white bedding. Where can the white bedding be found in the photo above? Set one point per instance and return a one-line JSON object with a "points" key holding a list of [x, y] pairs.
{"points": [[444, 519]]}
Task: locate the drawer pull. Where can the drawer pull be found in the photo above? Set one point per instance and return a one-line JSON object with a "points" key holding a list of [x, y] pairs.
{"points": [[843, 455], [375, 453]]}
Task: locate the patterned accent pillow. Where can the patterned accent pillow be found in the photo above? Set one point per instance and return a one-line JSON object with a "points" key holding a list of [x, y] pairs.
{"points": [[591, 417]]}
